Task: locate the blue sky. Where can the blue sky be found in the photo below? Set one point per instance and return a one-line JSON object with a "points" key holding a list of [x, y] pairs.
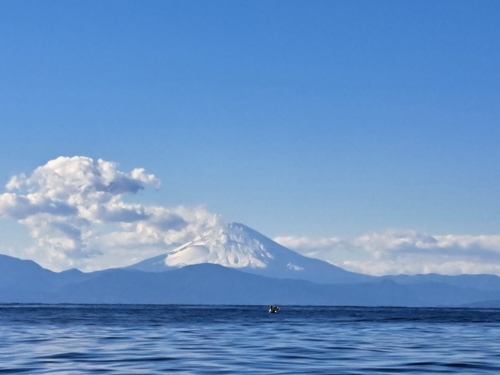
{"points": [[314, 119]]}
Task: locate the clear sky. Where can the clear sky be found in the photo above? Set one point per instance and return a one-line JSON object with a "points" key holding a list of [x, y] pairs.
{"points": [[311, 120]]}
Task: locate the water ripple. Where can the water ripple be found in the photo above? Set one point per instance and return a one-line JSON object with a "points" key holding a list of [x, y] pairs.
{"points": [[124, 339]]}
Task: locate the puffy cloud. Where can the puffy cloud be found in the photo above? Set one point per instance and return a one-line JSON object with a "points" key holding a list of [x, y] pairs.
{"points": [[20, 207], [397, 251], [75, 211], [308, 243], [327, 248]]}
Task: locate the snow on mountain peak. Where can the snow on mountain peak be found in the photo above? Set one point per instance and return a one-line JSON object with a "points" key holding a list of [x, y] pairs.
{"points": [[231, 246], [238, 246]]}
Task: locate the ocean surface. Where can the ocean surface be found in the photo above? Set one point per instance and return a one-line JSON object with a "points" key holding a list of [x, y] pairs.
{"points": [[140, 339]]}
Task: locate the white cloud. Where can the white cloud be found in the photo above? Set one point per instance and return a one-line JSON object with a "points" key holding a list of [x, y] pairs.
{"points": [[74, 209], [404, 251], [331, 249]]}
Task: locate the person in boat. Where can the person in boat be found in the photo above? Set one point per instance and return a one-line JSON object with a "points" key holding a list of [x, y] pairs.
{"points": [[274, 309]]}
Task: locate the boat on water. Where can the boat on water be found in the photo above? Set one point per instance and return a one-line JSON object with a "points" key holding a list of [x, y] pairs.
{"points": [[274, 309]]}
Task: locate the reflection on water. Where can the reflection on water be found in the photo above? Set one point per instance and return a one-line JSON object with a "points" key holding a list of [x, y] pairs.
{"points": [[128, 339]]}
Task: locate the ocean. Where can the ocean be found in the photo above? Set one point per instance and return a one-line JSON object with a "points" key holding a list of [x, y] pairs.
{"points": [[163, 339]]}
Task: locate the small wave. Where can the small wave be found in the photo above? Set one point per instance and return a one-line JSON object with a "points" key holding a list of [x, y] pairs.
{"points": [[246, 339]]}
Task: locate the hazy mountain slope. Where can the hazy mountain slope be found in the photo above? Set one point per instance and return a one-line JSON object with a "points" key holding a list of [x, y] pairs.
{"points": [[480, 282], [29, 276], [215, 284], [25, 281], [240, 247], [490, 304]]}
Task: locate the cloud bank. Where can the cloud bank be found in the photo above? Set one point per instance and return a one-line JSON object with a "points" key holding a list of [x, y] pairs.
{"points": [[398, 251], [75, 211]]}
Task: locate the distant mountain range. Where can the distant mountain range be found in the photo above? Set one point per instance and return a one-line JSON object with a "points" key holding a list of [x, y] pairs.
{"points": [[237, 265]]}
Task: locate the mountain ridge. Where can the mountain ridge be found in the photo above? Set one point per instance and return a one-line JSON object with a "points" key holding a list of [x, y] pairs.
{"points": [[243, 248], [215, 284], [266, 273]]}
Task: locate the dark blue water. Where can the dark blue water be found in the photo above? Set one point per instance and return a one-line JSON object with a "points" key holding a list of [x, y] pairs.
{"points": [[125, 339]]}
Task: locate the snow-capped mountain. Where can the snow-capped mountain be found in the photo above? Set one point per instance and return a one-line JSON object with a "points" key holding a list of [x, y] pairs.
{"points": [[238, 246]]}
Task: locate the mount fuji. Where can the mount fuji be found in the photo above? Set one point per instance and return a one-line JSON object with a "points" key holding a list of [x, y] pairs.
{"points": [[238, 246], [237, 265]]}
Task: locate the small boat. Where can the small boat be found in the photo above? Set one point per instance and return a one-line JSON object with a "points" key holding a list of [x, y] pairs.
{"points": [[274, 309]]}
